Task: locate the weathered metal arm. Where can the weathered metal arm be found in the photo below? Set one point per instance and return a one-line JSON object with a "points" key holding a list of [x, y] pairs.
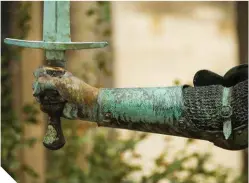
{"points": [[214, 113], [192, 112]]}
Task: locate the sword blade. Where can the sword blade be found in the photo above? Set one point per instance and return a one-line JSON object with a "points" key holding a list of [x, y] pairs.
{"points": [[56, 28]]}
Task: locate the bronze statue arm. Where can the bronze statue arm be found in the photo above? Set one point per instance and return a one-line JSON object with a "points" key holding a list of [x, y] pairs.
{"points": [[214, 112]]}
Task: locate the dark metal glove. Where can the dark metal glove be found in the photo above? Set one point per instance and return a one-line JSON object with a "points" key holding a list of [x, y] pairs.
{"points": [[214, 108]]}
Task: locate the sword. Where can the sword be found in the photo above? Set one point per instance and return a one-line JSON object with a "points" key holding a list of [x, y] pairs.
{"points": [[56, 40], [192, 112]]}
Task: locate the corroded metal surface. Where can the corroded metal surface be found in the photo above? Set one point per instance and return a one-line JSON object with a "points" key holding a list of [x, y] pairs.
{"points": [[141, 106], [155, 110], [55, 45], [192, 112], [51, 135], [56, 21]]}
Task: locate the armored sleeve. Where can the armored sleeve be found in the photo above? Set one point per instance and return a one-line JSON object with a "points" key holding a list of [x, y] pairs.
{"points": [[209, 111], [214, 113], [218, 114]]}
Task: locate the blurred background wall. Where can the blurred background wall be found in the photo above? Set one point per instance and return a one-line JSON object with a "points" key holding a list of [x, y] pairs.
{"points": [[158, 42], [151, 44]]}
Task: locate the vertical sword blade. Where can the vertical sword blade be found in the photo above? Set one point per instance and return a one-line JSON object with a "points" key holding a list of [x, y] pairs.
{"points": [[56, 28], [63, 21]]}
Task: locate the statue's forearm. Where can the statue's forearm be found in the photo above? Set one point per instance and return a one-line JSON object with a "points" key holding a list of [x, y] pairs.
{"points": [[144, 109], [132, 108], [193, 112]]}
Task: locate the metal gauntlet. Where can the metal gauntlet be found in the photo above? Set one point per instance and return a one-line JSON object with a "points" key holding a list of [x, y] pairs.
{"points": [[217, 114]]}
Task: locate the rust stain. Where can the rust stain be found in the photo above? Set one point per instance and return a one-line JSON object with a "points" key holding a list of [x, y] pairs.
{"points": [[90, 96], [53, 68], [77, 91]]}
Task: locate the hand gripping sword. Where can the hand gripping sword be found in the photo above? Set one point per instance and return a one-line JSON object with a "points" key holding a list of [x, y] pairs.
{"points": [[212, 110], [56, 40]]}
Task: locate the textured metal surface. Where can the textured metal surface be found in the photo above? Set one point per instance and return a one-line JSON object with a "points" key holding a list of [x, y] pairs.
{"points": [[56, 26], [193, 112], [239, 119], [61, 46], [56, 21], [52, 104], [202, 106], [144, 109], [239, 103], [226, 112]]}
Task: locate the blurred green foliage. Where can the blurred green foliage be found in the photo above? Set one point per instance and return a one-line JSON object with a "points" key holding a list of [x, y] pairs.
{"points": [[97, 155], [11, 127]]}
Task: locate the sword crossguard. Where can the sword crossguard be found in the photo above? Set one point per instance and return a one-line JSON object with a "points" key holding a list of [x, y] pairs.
{"points": [[60, 46]]}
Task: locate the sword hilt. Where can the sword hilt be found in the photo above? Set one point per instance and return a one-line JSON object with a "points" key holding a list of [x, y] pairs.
{"points": [[54, 138], [53, 105]]}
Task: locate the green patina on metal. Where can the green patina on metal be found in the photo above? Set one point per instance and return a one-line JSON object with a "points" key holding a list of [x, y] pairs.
{"points": [[56, 25], [51, 135], [83, 112], [56, 45], [70, 111], [226, 112], [225, 98], [38, 88], [141, 105]]}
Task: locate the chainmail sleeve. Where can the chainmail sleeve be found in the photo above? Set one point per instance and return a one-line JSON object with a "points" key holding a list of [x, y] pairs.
{"points": [[239, 103], [205, 112], [201, 106]]}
